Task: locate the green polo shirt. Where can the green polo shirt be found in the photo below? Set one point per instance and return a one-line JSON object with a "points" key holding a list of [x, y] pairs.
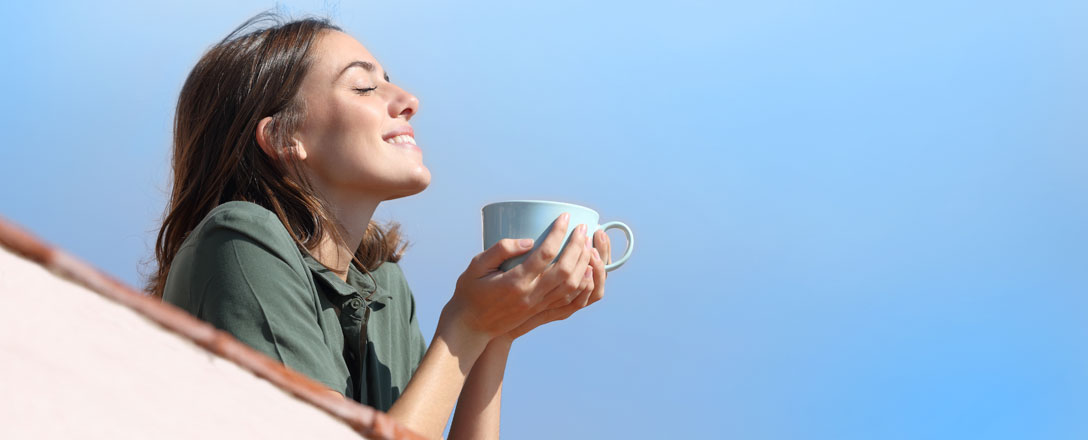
{"points": [[240, 270]]}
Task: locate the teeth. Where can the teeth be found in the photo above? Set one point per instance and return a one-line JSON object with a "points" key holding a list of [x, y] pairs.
{"points": [[402, 139]]}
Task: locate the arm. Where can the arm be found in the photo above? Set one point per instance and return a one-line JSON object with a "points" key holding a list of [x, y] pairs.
{"points": [[489, 304], [441, 373], [429, 397], [478, 408]]}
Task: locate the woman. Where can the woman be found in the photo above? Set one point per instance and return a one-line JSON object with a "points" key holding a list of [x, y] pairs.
{"points": [[286, 139]]}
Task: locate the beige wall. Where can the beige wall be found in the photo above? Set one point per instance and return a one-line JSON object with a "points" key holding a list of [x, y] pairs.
{"points": [[75, 365]]}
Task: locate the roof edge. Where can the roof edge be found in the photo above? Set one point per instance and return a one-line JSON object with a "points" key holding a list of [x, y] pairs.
{"points": [[363, 419]]}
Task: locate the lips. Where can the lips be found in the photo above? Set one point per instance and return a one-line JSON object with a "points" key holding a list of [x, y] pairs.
{"points": [[400, 135]]}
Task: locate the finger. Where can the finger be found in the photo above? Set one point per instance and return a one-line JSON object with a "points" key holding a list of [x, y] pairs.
{"points": [[569, 309], [489, 260], [552, 314], [573, 250], [563, 281], [608, 247], [570, 262], [556, 314], [599, 277], [567, 274], [586, 283], [564, 267], [543, 256], [586, 294], [568, 296], [587, 287], [603, 245]]}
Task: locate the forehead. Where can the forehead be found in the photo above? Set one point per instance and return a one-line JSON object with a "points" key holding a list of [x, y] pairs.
{"points": [[334, 51]]}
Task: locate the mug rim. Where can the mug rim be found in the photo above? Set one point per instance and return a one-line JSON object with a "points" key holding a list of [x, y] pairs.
{"points": [[550, 202]]}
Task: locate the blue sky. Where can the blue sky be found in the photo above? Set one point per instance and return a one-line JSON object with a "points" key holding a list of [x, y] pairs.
{"points": [[855, 220]]}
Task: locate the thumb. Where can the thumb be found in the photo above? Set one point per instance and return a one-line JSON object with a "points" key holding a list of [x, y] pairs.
{"points": [[505, 249]]}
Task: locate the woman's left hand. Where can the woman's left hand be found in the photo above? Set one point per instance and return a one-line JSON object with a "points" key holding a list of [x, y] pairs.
{"points": [[591, 292]]}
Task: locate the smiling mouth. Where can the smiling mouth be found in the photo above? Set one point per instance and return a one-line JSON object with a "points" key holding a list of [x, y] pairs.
{"points": [[402, 139]]}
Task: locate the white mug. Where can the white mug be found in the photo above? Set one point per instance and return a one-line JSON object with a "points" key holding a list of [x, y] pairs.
{"points": [[534, 219]]}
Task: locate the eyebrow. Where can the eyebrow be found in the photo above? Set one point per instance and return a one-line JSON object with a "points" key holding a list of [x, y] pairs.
{"points": [[365, 65]]}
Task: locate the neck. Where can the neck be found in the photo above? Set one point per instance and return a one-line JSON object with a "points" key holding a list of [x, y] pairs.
{"points": [[350, 215]]}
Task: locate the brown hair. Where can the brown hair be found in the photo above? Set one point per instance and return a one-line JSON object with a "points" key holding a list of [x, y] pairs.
{"points": [[216, 159]]}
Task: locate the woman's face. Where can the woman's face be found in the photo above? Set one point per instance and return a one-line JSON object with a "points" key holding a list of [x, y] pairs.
{"points": [[356, 135]]}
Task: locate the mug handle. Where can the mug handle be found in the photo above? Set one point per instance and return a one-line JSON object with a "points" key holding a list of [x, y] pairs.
{"points": [[630, 244]]}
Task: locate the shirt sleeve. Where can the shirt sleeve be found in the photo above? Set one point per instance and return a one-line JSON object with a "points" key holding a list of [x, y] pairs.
{"points": [[253, 286], [419, 344], [416, 345]]}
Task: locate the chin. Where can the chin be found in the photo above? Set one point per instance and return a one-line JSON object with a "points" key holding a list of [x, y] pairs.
{"points": [[416, 187]]}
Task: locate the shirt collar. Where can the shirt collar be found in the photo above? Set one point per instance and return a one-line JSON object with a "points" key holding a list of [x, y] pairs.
{"points": [[326, 276], [358, 283]]}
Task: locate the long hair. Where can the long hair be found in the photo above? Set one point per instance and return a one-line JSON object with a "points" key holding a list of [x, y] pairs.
{"points": [[253, 73]]}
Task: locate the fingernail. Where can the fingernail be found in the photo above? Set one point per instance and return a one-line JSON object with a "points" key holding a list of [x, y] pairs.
{"points": [[596, 254], [564, 217], [525, 242], [589, 243]]}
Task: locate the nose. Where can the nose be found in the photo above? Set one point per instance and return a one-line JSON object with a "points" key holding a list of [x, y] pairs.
{"points": [[404, 104]]}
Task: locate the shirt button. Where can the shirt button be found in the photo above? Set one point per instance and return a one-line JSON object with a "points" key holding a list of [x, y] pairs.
{"points": [[355, 303]]}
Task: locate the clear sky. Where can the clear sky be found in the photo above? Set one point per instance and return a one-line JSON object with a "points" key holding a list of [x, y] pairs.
{"points": [[855, 220]]}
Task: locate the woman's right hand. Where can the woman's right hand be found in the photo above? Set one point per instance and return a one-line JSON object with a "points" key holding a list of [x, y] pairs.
{"points": [[490, 301]]}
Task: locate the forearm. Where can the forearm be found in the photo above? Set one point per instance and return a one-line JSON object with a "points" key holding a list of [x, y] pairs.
{"points": [[477, 415], [430, 395]]}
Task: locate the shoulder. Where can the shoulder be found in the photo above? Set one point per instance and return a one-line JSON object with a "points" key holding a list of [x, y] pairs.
{"points": [[238, 239], [389, 275], [392, 284], [239, 253], [239, 220], [246, 218]]}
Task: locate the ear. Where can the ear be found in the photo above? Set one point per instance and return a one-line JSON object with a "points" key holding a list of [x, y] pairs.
{"points": [[265, 142], [263, 138], [298, 149]]}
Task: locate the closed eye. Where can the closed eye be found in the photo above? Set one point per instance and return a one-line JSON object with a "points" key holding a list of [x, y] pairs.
{"points": [[363, 91]]}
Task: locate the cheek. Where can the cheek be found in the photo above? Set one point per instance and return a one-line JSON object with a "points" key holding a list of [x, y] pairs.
{"points": [[344, 119], [359, 118], [344, 136]]}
